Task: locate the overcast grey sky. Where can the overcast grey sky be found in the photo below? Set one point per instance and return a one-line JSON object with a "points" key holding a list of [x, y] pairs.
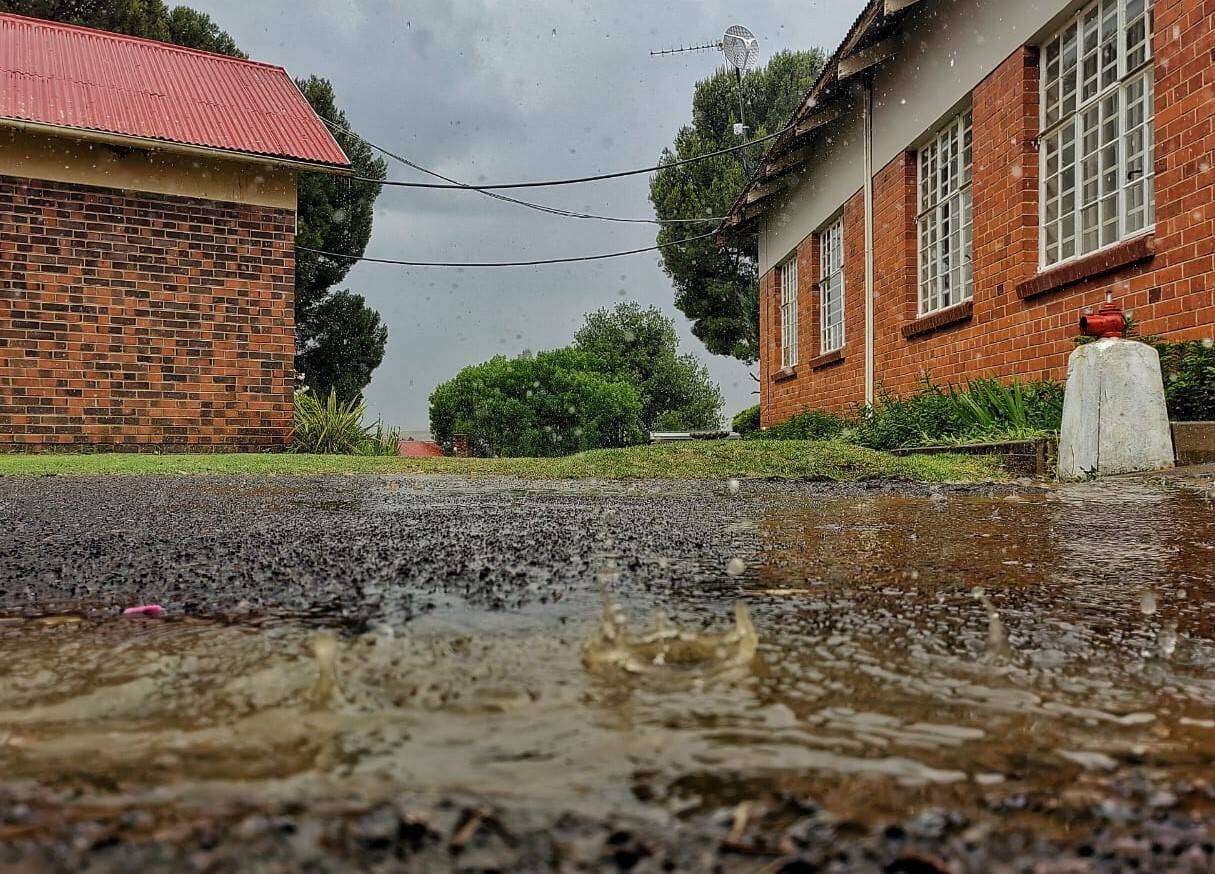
{"points": [[506, 90]]}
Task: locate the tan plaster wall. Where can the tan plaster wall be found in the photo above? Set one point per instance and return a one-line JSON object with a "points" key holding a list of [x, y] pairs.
{"points": [[30, 155]]}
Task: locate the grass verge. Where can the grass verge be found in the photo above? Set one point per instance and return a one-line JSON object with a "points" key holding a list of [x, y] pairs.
{"points": [[790, 459]]}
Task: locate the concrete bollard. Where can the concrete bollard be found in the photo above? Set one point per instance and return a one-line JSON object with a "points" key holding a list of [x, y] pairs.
{"points": [[1114, 415]]}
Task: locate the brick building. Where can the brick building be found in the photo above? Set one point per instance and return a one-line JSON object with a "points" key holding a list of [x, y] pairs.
{"points": [[147, 233], [966, 177]]}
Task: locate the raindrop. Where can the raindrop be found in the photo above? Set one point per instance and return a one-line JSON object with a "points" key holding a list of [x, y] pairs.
{"points": [[1147, 603], [1166, 641]]}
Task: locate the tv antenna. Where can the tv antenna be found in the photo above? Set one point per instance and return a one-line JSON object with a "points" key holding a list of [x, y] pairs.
{"points": [[741, 49]]}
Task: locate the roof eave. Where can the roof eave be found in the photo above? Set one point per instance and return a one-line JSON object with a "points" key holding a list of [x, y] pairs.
{"points": [[856, 57], [128, 141]]}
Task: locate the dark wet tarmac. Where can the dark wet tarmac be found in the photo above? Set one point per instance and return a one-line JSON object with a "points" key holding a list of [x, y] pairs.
{"points": [[394, 673]]}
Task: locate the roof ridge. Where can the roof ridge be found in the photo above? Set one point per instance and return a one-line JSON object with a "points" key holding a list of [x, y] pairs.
{"points": [[125, 37]]}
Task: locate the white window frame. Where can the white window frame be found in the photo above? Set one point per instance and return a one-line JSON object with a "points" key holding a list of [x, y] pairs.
{"points": [[945, 217], [787, 277], [831, 286], [1112, 194]]}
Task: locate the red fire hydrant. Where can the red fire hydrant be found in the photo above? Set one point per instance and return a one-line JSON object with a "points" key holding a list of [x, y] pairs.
{"points": [[1109, 321]]}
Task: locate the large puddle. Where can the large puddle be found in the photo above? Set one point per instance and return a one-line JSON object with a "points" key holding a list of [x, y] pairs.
{"points": [[878, 655]]}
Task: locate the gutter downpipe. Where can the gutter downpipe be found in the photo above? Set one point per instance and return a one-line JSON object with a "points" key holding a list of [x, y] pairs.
{"points": [[867, 101]]}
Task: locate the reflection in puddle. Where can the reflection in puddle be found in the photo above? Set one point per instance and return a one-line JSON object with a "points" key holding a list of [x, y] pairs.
{"points": [[893, 653]]}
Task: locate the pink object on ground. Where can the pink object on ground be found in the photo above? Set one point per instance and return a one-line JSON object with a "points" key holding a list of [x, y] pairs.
{"points": [[145, 610], [420, 449]]}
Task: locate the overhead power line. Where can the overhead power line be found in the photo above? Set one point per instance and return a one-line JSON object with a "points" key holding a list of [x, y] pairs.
{"points": [[478, 264], [539, 207], [575, 181]]}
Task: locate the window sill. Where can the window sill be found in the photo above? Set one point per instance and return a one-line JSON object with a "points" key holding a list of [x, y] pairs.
{"points": [[827, 359], [1125, 254], [954, 315], [785, 374]]}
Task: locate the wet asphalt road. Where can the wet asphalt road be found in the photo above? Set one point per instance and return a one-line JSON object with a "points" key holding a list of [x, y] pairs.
{"points": [[359, 549], [360, 552]]}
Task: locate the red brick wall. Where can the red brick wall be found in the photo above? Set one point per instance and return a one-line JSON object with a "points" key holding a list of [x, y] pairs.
{"points": [[815, 385], [130, 319], [1172, 295]]}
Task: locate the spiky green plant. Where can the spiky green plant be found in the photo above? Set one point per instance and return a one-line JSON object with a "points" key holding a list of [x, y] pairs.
{"points": [[336, 428]]}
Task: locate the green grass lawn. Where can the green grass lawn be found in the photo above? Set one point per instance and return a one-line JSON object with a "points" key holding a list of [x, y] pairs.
{"points": [[692, 460]]}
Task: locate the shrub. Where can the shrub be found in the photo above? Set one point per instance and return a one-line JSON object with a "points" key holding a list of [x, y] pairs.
{"points": [[553, 403], [641, 347], [336, 428], [929, 416], [1188, 369], [985, 409], [810, 425], [747, 422]]}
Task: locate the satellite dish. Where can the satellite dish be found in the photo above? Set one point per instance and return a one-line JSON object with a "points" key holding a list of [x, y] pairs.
{"points": [[740, 46]]}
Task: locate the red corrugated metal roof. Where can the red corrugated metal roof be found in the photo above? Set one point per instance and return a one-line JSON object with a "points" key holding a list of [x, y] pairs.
{"points": [[88, 79]]}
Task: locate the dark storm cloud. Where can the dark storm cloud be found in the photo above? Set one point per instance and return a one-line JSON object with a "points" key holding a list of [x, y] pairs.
{"points": [[504, 90]]}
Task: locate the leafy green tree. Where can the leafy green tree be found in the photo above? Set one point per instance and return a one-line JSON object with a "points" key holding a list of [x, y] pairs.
{"points": [[553, 403], [718, 288], [150, 19], [641, 346], [334, 213], [189, 27], [342, 344]]}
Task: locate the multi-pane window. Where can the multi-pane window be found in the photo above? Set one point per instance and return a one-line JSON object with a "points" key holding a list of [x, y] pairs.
{"points": [[946, 217], [1097, 144], [788, 313], [831, 287]]}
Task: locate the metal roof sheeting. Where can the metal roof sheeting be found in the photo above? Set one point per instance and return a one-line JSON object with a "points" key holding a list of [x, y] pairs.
{"points": [[76, 77]]}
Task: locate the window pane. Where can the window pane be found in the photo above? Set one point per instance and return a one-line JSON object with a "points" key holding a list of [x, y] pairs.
{"points": [[831, 285], [1136, 34], [1109, 220], [967, 245], [1068, 71], [1137, 154], [1090, 43], [945, 225], [1109, 43], [788, 312], [1098, 151], [1051, 73], [967, 148]]}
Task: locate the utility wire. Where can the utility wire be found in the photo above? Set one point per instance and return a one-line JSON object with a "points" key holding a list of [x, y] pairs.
{"points": [[539, 207], [576, 181], [604, 257]]}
